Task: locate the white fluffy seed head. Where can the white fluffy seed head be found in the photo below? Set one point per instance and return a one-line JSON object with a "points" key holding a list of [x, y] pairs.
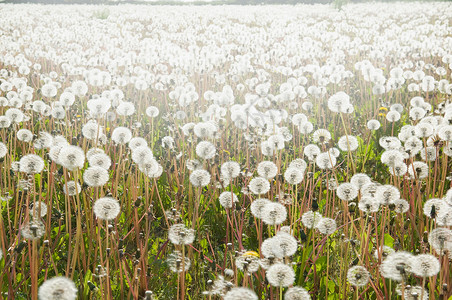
{"points": [[58, 288], [106, 208]]}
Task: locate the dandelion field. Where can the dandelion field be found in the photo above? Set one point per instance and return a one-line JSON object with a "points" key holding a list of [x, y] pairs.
{"points": [[226, 152]]}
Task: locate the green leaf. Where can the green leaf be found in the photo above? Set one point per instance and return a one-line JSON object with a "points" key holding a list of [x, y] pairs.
{"points": [[389, 240]]}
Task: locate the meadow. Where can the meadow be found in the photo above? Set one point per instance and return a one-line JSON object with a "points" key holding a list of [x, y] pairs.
{"points": [[226, 152]]}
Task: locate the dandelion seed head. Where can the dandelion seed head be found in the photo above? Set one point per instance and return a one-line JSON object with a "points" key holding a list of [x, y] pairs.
{"points": [[387, 194], [178, 234], [230, 169], [177, 263], [325, 160], [396, 266], [267, 169], [71, 188], [425, 265], [226, 199], [310, 219], [71, 157], [257, 207], [24, 135], [241, 293], [347, 191], [106, 208], [280, 275], [274, 213], [31, 164], [33, 229], [297, 293], [293, 175], [259, 186], [206, 150], [95, 176], [121, 135], [58, 288], [326, 226], [358, 276], [348, 143], [200, 178]]}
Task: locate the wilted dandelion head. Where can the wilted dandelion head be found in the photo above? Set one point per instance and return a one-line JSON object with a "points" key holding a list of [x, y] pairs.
{"points": [[177, 263], [227, 199], [297, 293], [327, 226], [180, 235], [396, 266], [58, 288], [33, 229], [168, 142], [31, 164], [200, 178], [106, 208], [259, 185], [95, 176], [358, 276], [274, 213], [347, 191], [425, 265], [241, 293], [280, 275], [310, 219]]}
